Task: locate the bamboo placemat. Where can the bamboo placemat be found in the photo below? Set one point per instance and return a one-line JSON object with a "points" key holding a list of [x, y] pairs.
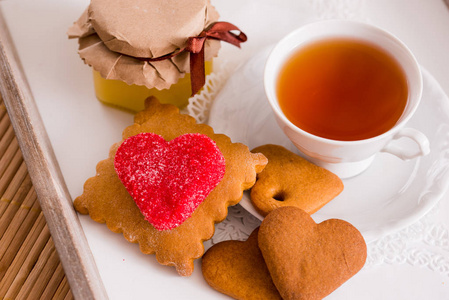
{"points": [[29, 264]]}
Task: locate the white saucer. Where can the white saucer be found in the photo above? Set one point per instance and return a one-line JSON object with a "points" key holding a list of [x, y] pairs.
{"points": [[389, 195]]}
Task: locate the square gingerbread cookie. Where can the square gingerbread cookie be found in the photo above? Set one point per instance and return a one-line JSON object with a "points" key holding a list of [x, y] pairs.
{"points": [[107, 200]]}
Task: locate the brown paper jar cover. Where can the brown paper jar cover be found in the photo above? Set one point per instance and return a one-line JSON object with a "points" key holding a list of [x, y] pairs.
{"points": [[115, 35]]}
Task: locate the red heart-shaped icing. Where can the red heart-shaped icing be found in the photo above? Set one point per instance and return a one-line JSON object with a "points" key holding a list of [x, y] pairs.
{"points": [[169, 180]]}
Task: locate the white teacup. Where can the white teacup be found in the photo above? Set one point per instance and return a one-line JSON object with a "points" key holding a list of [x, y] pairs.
{"points": [[348, 158]]}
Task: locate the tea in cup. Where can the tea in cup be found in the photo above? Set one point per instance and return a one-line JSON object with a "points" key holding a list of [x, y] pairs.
{"points": [[342, 91]]}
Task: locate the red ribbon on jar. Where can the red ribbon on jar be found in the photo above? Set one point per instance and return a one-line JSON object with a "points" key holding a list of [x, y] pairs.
{"points": [[195, 45]]}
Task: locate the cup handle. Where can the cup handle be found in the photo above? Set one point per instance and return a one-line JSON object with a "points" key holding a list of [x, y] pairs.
{"points": [[405, 154]]}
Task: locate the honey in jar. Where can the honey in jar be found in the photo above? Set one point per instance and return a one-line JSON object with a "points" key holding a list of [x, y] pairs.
{"points": [[132, 97], [136, 48]]}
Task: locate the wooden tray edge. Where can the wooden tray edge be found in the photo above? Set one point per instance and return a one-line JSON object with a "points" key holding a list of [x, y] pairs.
{"points": [[54, 199]]}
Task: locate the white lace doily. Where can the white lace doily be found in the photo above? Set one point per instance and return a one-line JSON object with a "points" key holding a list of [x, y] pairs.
{"points": [[423, 244]]}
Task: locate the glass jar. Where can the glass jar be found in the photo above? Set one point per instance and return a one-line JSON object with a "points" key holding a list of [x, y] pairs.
{"points": [[137, 51], [132, 97]]}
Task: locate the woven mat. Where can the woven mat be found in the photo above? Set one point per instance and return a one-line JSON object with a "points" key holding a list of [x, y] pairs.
{"points": [[29, 264]]}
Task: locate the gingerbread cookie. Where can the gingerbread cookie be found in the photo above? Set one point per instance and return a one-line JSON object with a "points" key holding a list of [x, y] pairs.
{"points": [[237, 269], [107, 197], [169, 180], [290, 180], [308, 260]]}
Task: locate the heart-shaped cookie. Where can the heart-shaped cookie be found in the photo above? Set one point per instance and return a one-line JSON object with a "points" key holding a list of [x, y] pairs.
{"points": [[169, 180], [308, 260], [237, 269]]}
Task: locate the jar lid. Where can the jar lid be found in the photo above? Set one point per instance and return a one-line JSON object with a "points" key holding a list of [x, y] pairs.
{"points": [[147, 28], [115, 35]]}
